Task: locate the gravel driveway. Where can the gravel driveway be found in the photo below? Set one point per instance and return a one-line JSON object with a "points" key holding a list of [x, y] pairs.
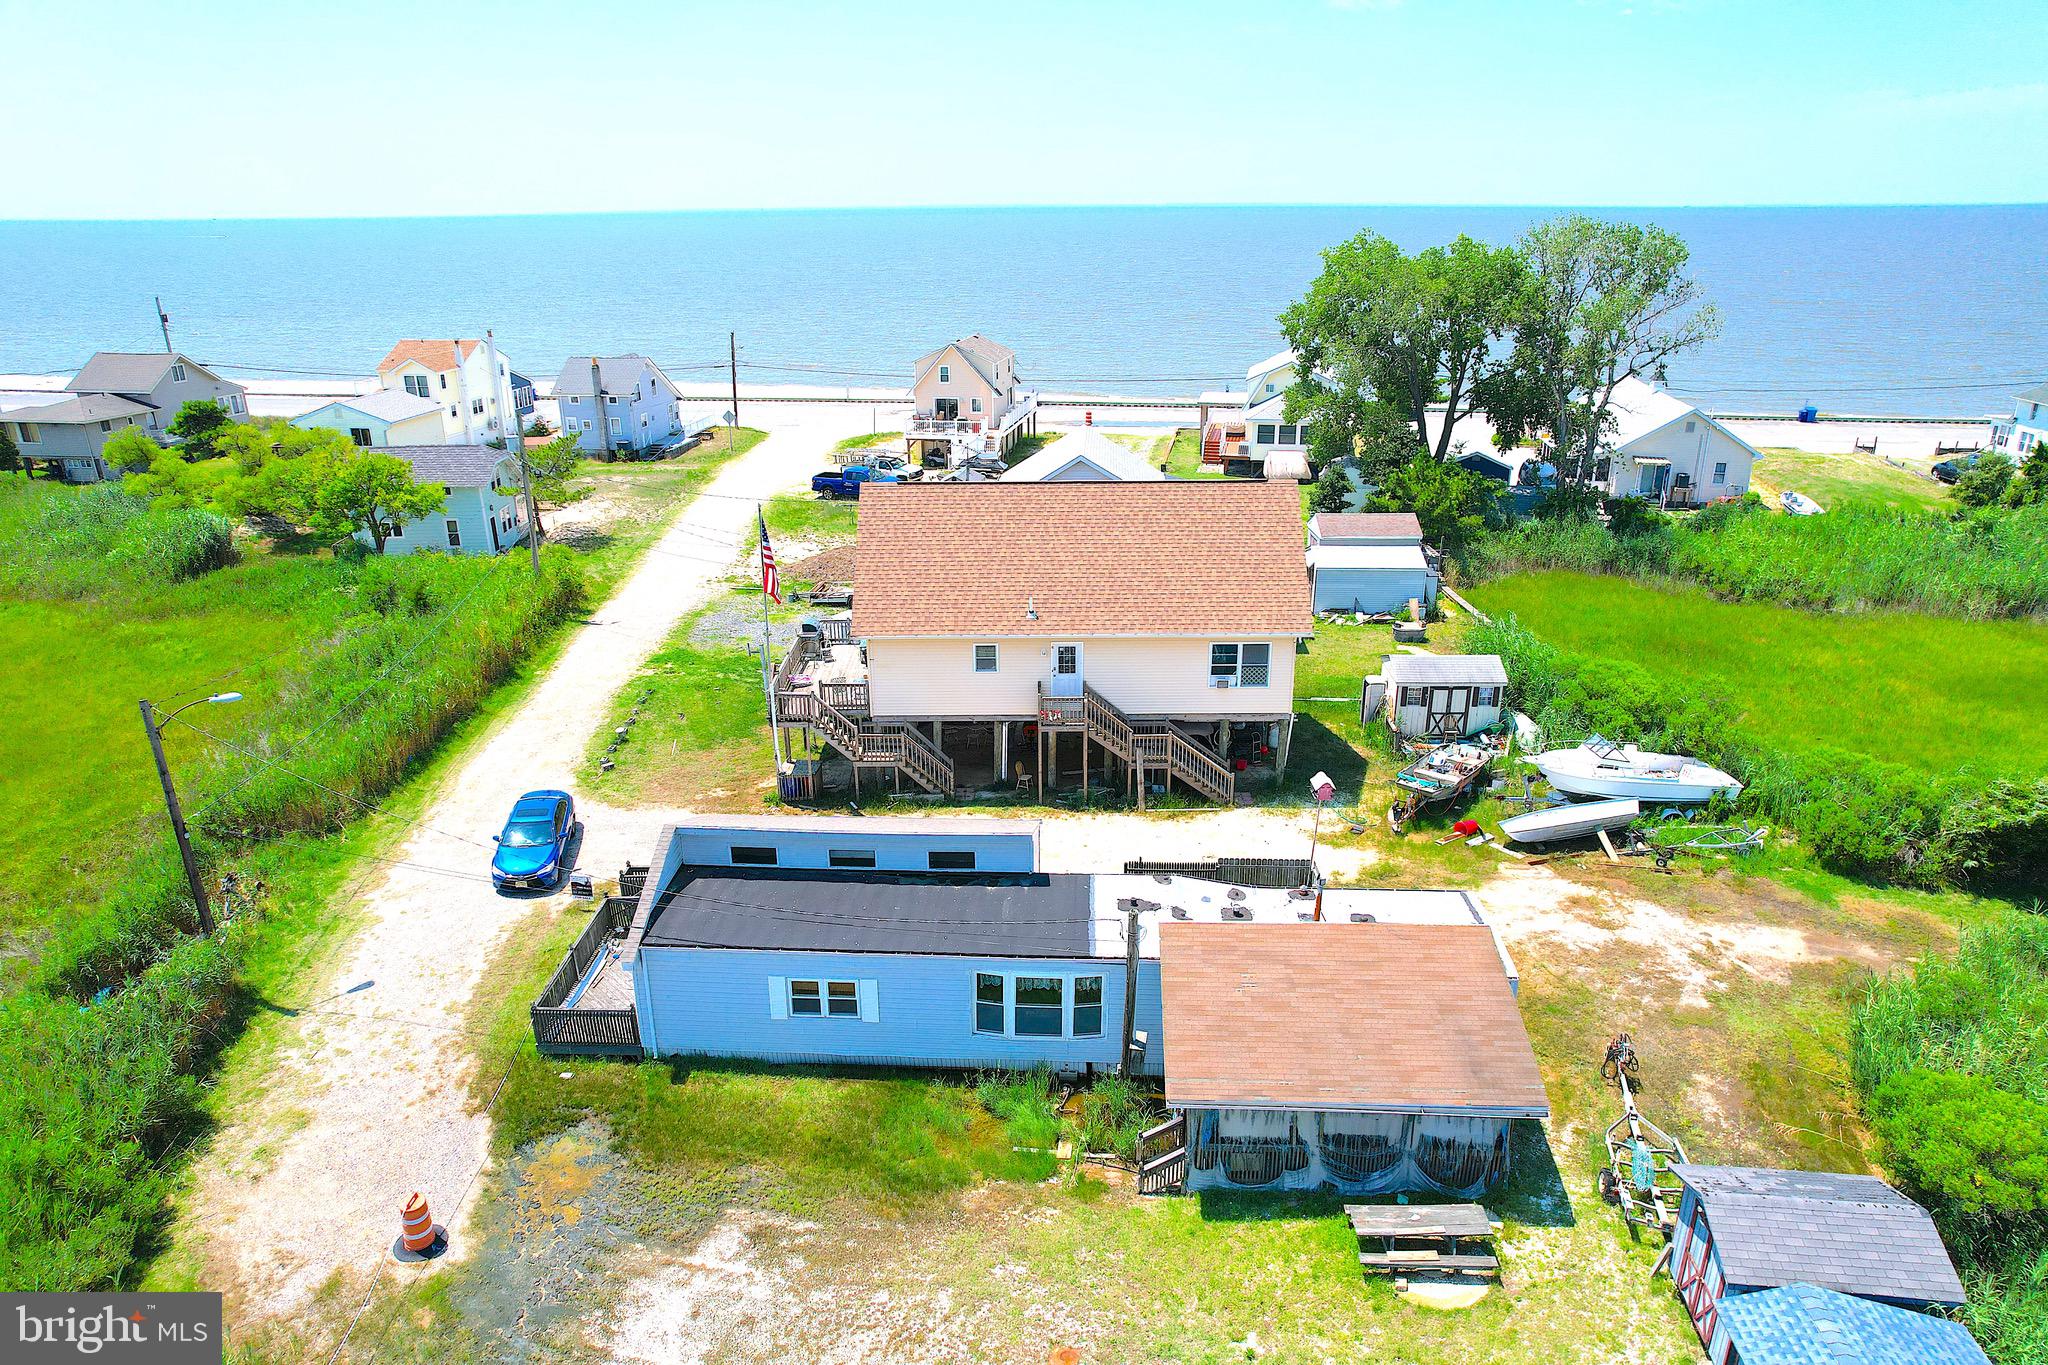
{"points": [[368, 1097]]}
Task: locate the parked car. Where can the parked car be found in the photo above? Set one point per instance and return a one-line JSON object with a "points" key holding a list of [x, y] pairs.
{"points": [[535, 841], [845, 483], [1948, 471]]}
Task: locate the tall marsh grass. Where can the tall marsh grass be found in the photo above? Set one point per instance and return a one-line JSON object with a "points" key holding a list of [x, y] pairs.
{"points": [[1982, 566], [63, 542]]}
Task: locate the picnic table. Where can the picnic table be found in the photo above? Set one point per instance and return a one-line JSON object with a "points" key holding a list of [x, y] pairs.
{"points": [[1415, 1239]]}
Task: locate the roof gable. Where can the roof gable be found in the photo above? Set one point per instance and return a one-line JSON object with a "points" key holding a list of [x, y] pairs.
{"points": [[385, 405], [435, 354], [983, 356], [130, 371], [1112, 458], [1056, 560], [79, 411], [618, 373]]}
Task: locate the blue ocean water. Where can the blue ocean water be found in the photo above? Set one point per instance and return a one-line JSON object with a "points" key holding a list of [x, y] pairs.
{"points": [[1936, 310]]}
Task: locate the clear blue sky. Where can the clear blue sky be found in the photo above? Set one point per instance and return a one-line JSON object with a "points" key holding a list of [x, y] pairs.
{"points": [[137, 108]]}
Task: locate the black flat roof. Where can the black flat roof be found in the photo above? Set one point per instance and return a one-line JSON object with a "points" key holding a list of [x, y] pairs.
{"points": [[1024, 914]]}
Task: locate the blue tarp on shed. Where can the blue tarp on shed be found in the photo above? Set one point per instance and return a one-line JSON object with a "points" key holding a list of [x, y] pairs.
{"points": [[1804, 1325]]}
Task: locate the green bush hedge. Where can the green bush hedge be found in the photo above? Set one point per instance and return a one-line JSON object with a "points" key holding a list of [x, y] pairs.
{"points": [[1859, 815]]}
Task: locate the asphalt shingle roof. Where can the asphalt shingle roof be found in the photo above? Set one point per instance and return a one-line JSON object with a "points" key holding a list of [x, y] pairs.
{"points": [[1332, 527], [1802, 1324], [86, 407], [1852, 1233], [619, 374], [457, 466], [125, 371], [1407, 1017], [389, 405], [433, 352], [1445, 670], [1059, 560]]}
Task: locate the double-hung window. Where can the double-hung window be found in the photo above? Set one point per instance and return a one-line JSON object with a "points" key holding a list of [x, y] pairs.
{"points": [[1267, 431], [945, 374], [416, 385], [1720, 471], [974, 405], [177, 374], [984, 658], [1288, 433], [454, 534], [1031, 1005], [824, 999], [1223, 664]]}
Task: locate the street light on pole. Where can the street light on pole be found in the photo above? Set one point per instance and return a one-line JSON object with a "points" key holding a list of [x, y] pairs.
{"points": [[153, 724]]}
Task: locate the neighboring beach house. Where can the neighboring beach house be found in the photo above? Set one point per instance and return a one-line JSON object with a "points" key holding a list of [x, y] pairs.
{"points": [[1371, 562], [483, 513], [1377, 1049], [1085, 456], [472, 391], [66, 437], [620, 404], [966, 403], [1666, 450], [1258, 438], [384, 417], [160, 381], [2027, 429], [1141, 632], [1744, 1229]]}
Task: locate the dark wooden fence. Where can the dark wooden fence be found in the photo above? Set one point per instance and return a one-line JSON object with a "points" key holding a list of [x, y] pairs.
{"points": [[1276, 872], [560, 1029]]}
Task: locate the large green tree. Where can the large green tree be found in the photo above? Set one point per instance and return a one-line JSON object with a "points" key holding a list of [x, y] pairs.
{"points": [[1985, 483], [1451, 503], [1609, 301], [551, 466], [130, 449], [198, 426], [337, 493], [1381, 333]]}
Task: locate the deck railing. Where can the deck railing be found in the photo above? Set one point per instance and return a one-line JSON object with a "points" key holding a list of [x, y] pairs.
{"points": [[1166, 750], [564, 1029], [1163, 1156]]}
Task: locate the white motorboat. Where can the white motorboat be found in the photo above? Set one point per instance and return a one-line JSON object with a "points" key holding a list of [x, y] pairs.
{"points": [[1602, 768], [1799, 505], [1569, 822]]}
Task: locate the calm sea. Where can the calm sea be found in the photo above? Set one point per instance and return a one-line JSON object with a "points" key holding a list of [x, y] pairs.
{"points": [[1907, 310]]}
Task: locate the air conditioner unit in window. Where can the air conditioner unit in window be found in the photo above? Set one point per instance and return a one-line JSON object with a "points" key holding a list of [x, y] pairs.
{"points": [[1220, 682]]}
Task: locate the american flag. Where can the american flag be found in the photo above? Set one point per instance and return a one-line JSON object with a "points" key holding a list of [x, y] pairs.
{"points": [[771, 582]]}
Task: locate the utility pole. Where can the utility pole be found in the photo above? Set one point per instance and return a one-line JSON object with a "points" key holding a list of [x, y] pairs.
{"points": [[163, 773], [1132, 908], [163, 320], [732, 343], [767, 670], [532, 510]]}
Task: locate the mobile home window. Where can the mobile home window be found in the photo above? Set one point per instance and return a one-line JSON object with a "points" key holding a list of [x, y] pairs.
{"points": [[824, 999], [1255, 667], [842, 999], [1040, 1010], [804, 998], [1223, 661], [749, 855], [984, 658], [988, 1002], [950, 860], [1721, 471], [1087, 1007], [1266, 433], [945, 374], [850, 857], [454, 534]]}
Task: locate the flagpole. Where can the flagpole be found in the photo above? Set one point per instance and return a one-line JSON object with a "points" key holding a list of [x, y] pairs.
{"points": [[767, 678]]}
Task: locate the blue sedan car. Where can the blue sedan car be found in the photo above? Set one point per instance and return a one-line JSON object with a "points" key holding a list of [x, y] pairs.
{"points": [[536, 837]]}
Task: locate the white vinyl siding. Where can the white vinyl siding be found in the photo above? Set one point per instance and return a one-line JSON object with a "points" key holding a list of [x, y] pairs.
{"points": [[1144, 676]]}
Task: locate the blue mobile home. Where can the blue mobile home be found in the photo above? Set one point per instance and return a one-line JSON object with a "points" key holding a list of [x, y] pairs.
{"points": [[1742, 1230]]}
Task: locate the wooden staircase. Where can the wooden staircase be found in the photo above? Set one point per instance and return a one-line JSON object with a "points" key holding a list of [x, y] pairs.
{"points": [[838, 713], [1212, 444], [1165, 750]]}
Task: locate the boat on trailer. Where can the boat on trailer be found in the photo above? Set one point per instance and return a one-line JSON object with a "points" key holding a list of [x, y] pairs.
{"points": [[1442, 773], [1570, 822], [1600, 767]]}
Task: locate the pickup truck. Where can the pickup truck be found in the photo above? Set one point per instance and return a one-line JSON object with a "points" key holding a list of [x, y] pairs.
{"points": [[845, 483]]}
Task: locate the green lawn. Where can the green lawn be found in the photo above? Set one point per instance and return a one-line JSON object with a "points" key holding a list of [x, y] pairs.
{"points": [[1933, 692], [812, 518], [1836, 481], [873, 438], [1184, 457]]}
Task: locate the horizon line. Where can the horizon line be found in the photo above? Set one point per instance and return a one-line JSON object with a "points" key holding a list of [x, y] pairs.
{"points": [[1555, 207]]}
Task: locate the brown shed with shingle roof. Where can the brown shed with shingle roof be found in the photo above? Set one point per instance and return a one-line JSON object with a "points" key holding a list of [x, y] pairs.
{"points": [[1063, 560], [1391, 1018]]}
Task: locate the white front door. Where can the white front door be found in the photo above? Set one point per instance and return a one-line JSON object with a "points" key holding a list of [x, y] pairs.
{"points": [[1066, 670]]}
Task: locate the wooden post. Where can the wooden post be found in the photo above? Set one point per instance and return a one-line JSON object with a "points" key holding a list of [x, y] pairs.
{"points": [[1084, 766], [1001, 740], [1131, 906], [1286, 743], [1041, 758]]}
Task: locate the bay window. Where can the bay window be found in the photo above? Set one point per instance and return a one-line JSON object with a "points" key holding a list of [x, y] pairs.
{"points": [[1029, 1005]]}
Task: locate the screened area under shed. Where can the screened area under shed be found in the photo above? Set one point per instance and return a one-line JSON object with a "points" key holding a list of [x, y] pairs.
{"points": [[1364, 1058]]}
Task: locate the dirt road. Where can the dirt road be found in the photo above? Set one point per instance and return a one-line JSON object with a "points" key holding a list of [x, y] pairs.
{"points": [[369, 1097]]}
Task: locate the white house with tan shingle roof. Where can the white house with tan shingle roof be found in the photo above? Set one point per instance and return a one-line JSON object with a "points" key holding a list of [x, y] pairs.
{"points": [[468, 379], [1139, 632], [966, 403]]}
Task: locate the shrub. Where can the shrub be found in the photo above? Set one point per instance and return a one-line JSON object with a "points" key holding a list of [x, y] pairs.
{"points": [[1023, 1100], [1963, 1145], [1112, 1116]]}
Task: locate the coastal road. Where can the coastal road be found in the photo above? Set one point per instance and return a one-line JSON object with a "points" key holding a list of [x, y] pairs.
{"points": [[370, 1095]]}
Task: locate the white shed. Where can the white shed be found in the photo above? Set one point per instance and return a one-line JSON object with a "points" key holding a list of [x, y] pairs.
{"points": [[1369, 562], [1437, 696]]}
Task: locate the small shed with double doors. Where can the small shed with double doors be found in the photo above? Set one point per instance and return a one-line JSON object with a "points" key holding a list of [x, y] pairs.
{"points": [[1803, 1324], [1436, 696], [1742, 1230]]}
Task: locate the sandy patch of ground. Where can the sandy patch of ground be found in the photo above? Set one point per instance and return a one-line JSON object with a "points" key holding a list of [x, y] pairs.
{"points": [[379, 1081], [1093, 843], [719, 1298], [1533, 903]]}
